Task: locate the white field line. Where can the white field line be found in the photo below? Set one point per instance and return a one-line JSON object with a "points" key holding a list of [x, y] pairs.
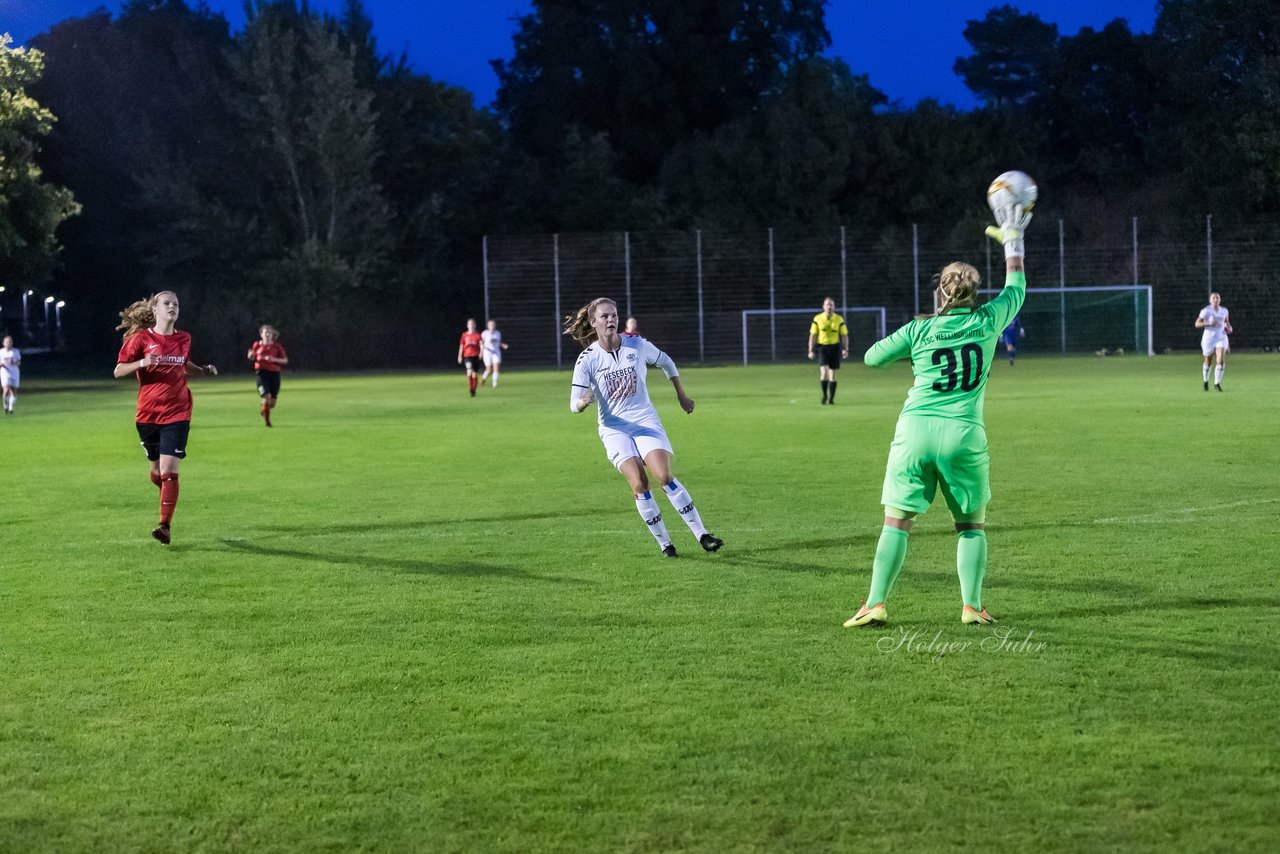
{"points": [[1180, 515]]}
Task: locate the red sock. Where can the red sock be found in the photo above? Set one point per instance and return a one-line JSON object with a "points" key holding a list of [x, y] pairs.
{"points": [[168, 496], [155, 478], [471, 382]]}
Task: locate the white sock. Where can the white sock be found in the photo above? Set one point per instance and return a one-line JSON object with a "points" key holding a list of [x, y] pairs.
{"points": [[495, 380], [1217, 375], [652, 517], [1204, 371], [680, 500]]}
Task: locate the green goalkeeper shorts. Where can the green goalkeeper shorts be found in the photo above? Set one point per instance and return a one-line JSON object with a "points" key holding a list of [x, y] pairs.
{"points": [[930, 452]]}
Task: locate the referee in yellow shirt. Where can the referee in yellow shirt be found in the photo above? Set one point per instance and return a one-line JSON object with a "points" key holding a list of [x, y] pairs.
{"points": [[831, 335]]}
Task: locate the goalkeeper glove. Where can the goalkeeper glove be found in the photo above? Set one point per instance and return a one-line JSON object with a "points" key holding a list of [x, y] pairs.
{"points": [[1011, 222]]}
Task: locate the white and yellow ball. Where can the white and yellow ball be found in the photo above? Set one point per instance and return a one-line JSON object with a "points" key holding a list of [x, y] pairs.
{"points": [[1012, 188]]}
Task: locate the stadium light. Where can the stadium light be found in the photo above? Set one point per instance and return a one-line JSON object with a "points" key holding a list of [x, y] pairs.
{"points": [[48, 332], [26, 315]]}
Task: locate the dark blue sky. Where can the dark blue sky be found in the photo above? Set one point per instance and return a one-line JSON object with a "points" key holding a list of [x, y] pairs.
{"points": [[907, 47]]}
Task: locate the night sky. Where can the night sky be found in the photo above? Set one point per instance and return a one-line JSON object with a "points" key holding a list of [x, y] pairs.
{"points": [[906, 47]]}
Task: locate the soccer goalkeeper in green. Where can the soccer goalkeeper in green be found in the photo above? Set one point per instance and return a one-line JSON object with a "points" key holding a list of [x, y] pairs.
{"points": [[940, 441]]}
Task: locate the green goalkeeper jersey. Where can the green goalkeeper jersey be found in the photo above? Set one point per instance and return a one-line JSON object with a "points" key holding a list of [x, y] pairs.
{"points": [[951, 354]]}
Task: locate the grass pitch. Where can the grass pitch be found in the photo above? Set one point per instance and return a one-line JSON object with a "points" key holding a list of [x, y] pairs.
{"points": [[404, 619]]}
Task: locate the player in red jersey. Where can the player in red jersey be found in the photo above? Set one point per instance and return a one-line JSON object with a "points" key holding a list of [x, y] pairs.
{"points": [[469, 355], [158, 354], [268, 356]]}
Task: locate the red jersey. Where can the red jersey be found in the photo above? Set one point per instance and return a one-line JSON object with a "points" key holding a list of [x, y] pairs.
{"points": [[163, 396], [259, 349], [470, 344]]}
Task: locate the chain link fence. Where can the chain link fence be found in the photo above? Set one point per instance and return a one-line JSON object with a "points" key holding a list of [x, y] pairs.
{"points": [[719, 298]]}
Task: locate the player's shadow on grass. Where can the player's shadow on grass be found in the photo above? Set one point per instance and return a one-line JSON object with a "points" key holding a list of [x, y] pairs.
{"points": [[1137, 605], [409, 565], [414, 524]]}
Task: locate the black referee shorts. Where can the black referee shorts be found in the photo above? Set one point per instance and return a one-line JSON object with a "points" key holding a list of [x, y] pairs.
{"points": [[828, 355]]}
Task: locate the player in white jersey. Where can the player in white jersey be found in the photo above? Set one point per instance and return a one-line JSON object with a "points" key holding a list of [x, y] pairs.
{"points": [[1216, 323], [612, 371], [10, 375], [491, 348]]}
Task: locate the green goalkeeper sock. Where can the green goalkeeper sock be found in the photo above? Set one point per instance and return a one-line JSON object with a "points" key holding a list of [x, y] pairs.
{"points": [[971, 565], [891, 551]]}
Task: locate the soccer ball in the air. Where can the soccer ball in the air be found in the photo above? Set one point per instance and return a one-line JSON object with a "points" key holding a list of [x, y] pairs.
{"points": [[1012, 188]]}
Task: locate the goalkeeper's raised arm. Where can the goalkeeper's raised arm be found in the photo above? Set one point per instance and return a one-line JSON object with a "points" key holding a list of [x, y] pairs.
{"points": [[1011, 224]]}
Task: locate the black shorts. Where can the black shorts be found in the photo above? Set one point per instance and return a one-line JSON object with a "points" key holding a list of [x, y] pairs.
{"points": [[268, 383], [828, 355], [167, 439], [472, 363]]}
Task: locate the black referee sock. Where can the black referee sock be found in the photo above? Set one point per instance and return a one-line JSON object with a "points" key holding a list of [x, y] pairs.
{"points": [[833, 391], [825, 383]]}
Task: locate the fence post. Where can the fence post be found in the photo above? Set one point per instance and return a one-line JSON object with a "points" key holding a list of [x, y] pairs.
{"points": [[990, 281], [702, 349], [915, 260], [773, 316], [626, 255], [1135, 250], [1062, 283], [844, 275], [1208, 239], [555, 262], [484, 254]]}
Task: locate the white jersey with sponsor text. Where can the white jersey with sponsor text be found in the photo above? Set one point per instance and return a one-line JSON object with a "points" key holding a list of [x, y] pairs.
{"points": [[491, 341], [618, 381]]}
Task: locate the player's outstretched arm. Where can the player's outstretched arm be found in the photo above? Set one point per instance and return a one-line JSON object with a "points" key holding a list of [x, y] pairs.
{"points": [[686, 402], [888, 350]]}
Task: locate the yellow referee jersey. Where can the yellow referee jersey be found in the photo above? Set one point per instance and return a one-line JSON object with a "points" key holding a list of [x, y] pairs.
{"points": [[828, 329]]}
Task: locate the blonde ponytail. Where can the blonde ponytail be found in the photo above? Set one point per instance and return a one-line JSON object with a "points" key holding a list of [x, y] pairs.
{"points": [[578, 325]]}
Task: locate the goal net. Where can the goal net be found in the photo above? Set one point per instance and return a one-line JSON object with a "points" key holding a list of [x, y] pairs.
{"points": [[781, 334], [1106, 319]]}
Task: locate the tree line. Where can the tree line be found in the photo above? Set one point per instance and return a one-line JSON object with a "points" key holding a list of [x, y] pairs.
{"points": [[294, 173]]}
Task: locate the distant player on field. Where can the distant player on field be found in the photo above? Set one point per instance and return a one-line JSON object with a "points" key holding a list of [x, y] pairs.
{"points": [[1216, 323], [491, 347], [10, 373], [158, 354], [469, 355], [940, 439], [829, 332], [612, 372], [1010, 337], [268, 357], [632, 329]]}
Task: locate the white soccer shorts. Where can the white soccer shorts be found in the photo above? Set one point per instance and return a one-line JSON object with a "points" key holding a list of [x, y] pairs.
{"points": [[620, 447], [1209, 343]]}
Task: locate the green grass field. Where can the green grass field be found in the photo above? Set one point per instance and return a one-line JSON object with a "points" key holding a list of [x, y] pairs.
{"points": [[406, 620]]}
